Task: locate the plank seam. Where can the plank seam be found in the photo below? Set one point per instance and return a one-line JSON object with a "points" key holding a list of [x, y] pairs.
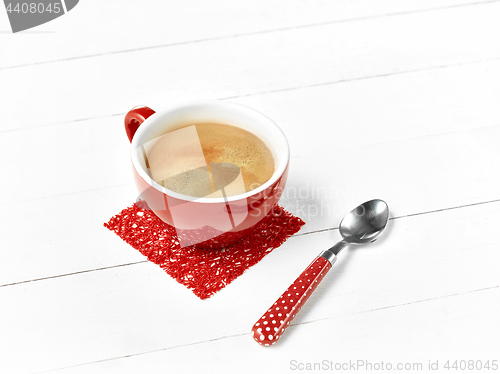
{"points": [[410, 215], [319, 24], [340, 81], [291, 325], [293, 236]]}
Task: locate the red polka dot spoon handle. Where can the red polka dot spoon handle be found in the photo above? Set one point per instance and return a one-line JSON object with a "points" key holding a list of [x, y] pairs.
{"points": [[273, 323], [363, 224]]}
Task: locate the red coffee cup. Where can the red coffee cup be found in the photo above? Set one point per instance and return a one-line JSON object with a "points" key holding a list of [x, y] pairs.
{"points": [[207, 222]]}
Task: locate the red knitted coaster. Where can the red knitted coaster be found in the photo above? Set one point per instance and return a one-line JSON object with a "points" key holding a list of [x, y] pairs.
{"points": [[204, 271]]}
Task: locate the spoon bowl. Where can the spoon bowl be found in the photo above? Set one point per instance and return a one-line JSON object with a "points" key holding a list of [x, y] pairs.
{"points": [[365, 223]]}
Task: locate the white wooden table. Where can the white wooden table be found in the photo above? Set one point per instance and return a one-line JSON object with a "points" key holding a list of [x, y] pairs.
{"points": [[387, 99]]}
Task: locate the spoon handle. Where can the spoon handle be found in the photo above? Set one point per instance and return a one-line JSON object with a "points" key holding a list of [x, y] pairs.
{"points": [[268, 329]]}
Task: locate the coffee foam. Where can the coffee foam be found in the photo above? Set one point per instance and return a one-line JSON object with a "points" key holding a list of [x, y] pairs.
{"points": [[203, 159]]}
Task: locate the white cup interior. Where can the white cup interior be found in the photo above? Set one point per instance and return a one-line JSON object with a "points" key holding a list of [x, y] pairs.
{"points": [[218, 112]]}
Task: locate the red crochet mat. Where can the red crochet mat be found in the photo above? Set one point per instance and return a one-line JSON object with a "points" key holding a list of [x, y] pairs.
{"points": [[204, 271]]}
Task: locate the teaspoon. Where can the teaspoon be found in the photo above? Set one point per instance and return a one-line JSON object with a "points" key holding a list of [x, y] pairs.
{"points": [[363, 224]]}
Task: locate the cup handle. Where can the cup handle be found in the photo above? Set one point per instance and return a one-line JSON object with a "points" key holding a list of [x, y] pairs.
{"points": [[134, 118]]}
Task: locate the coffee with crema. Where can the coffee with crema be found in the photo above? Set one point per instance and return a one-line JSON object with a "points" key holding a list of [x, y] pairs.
{"points": [[209, 160]]}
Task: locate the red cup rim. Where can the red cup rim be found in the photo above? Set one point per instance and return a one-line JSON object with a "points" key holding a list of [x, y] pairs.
{"points": [[276, 136]]}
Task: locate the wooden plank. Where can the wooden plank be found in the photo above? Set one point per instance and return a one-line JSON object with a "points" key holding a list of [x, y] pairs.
{"points": [[96, 28], [60, 214], [65, 235], [438, 330], [324, 121], [411, 289], [414, 176], [247, 65]]}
